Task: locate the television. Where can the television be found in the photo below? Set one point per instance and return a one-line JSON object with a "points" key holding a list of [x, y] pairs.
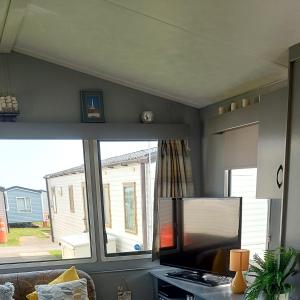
{"points": [[198, 233]]}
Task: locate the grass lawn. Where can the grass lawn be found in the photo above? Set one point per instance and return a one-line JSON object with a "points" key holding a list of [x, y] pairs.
{"points": [[56, 253], [15, 234]]}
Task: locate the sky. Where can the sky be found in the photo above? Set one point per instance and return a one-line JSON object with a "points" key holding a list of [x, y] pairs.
{"points": [[26, 162]]}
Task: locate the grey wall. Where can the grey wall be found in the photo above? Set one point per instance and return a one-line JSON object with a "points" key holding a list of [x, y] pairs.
{"points": [[212, 162], [50, 93]]}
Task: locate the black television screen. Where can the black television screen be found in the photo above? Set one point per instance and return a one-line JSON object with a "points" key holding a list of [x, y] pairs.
{"points": [[198, 233]]}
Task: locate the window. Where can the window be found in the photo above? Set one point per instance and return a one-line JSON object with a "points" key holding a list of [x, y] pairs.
{"points": [[107, 206], [23, 204], [255, 213], [71, 199], [128, 174], [130, 208], [84, 204], [48, 206], [54, 203]]}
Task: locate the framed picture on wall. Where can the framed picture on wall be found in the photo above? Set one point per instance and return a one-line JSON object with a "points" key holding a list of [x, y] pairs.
{"points": [[92, 107]]}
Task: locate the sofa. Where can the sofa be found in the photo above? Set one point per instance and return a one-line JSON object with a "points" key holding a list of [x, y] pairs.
{"points": [[25, 282]]}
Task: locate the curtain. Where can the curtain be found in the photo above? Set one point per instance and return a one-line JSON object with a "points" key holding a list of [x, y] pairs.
{"points": [[173, 179]]}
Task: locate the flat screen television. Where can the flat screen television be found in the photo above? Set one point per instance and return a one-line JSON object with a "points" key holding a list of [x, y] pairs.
{"points": [[198, 233]]}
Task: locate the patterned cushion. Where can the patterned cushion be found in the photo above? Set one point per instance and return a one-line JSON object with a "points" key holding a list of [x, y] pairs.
{"points": [[7, 291], [26, 281], [68, 275], [72, 290]]}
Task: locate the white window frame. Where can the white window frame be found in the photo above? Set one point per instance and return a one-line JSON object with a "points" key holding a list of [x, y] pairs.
{"points": [[86, 144], [98, 183], [25, 205]]}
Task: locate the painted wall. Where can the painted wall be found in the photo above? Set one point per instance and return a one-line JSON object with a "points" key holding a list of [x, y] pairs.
{"points": [[16, 216], [49, 93], [213, 145]]}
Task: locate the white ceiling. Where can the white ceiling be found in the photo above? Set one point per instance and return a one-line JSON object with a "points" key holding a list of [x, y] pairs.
{"points": [[192, 51]]}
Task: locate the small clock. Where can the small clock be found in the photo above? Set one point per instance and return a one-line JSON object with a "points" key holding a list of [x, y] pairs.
{"points": [[147, 117]]}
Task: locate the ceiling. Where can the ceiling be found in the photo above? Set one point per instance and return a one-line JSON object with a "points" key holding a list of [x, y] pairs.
{"points": [[195, 51]]}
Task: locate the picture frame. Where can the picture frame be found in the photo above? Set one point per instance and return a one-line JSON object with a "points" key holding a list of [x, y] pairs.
{"points": [[92, 106]]}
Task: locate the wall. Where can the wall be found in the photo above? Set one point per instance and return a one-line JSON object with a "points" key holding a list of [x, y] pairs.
{"points": [[49, 93], [213, 155]]}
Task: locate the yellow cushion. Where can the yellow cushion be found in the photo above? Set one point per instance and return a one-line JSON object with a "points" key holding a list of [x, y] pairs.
{"points": [[68, 275]]}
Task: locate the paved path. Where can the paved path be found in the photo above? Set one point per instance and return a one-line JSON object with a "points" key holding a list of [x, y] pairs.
{"points": [[31, 248]]}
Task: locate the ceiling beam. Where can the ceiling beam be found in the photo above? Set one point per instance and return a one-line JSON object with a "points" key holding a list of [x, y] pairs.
{"points": [[15, 12]]}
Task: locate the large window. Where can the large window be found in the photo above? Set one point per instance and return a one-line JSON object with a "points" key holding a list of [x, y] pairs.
{"points": [[255, 213], [48, 216], [128, 172]]}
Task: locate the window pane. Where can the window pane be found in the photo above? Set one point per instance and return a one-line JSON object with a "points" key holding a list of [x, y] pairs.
{"points": [[128, 172], [46, 206], [130, 208], [255, 211], [20, 204]]}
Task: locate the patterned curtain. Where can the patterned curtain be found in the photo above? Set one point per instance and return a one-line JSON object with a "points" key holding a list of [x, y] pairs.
{"points": [[173, 178]]}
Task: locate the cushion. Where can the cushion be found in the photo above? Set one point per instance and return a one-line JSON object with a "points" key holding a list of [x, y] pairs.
{"points": [[72, 290], [68, 275], [7, 291]]}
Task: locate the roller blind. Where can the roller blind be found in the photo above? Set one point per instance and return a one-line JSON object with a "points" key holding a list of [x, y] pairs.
{"points": [[240, 148]]}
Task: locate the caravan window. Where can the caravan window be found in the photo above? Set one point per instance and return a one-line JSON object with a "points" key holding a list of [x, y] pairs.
{"points": [[48, 217], [129, 194], [23, 204], [127, 181]]}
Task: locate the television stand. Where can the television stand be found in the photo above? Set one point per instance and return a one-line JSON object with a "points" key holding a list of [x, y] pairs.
{"points": [[198, 291], [206, 279]]}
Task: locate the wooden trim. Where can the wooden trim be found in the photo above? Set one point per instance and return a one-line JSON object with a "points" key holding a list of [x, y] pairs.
{"points": [[125, 185], [107, 225]]}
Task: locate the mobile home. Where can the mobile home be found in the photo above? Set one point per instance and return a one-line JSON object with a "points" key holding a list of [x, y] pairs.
{"points": [[25, 205], [126, 227]]}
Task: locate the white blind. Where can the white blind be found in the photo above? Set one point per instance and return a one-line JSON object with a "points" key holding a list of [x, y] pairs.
{"points": [[240, 148], [255, 211]]}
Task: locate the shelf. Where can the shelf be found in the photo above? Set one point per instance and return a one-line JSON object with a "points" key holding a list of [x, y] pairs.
{"points": [[235, 119], [196, 289], [103, 131]]}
